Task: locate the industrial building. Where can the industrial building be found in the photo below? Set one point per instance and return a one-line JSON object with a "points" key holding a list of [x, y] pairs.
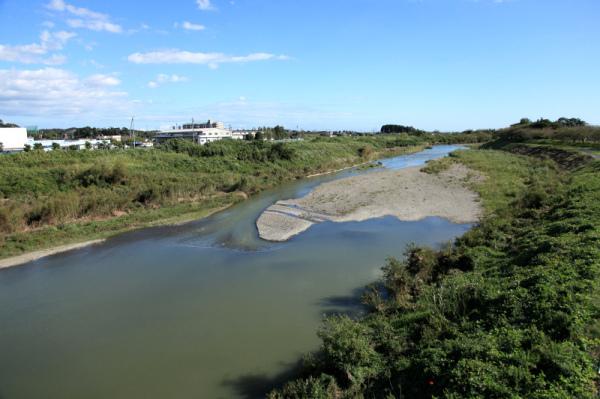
{"points": [[13, 138], [200, 133]]}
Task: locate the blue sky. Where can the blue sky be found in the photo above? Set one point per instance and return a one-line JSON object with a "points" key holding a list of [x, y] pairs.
{"points": [[327, 64]]}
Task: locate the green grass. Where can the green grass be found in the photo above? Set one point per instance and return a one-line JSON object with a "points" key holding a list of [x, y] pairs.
{"points": [[68, 233], [506, 175]]}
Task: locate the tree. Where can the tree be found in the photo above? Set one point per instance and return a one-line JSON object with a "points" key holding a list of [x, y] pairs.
{"points": [[1, 147], [7, 124], [542, 123], [88, 145], [259, 136], [27, 148], [38, 147], [571, 122], [525, 121], [399, 129], [55, 146], [279, 132]]}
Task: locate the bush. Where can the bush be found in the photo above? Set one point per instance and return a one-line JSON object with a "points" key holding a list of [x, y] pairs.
{"points": [[365, 152], [103, 175], [323, 387], [349, 350], [280, 151]]}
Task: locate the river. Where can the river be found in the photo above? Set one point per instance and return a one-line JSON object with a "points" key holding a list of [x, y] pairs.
{"points": [[201, 310]]}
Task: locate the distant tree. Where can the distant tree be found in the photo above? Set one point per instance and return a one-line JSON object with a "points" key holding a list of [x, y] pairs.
{"points": [[259, 136], [279, 132], [73, 147], [88, 145], [525, 121], [399, 129], [38, 147], [27, 148], [542, 123], [571, 122], [6, 124], [85, 132], [1, 146], [55, 146]]}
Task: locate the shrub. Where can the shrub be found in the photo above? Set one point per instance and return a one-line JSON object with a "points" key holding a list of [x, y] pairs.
{"points": [[280, 151], [349, 349], [365, 152], [103, 175], [323, 387]]}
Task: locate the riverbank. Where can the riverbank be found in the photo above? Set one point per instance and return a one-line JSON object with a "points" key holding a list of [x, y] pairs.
{"points": [[35, 255], [516, 296], [31, 256], [20, 247], [408, 194]]}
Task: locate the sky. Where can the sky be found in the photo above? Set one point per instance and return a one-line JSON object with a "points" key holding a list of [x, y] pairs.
{"points": [[313, 64]]}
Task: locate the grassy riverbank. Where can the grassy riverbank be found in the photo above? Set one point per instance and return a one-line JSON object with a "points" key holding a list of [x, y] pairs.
{"points": [[509, 310], [61, 197]]}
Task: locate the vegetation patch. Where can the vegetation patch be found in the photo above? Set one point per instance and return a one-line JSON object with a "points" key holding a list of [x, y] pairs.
{"points": [[63, 196], [508, 310]]}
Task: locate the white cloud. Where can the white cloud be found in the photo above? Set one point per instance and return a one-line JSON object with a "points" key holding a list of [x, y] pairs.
{"points": [[85, 18], [164, 78], [52, 91], [191, 26], [204, 5], [100, 80], [55, 40], [95, 25], [37, 53], [55, 59], [213, 60], [142, 27]]}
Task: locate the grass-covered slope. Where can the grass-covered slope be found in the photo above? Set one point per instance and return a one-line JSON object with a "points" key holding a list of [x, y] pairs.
{"points": [[508, 311], [60, 197]]}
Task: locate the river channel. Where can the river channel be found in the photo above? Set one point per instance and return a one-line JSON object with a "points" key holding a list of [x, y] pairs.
{"points": [[201, 310]]}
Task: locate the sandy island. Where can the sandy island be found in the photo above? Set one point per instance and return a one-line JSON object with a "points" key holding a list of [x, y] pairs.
{"points": [[407, 194]]}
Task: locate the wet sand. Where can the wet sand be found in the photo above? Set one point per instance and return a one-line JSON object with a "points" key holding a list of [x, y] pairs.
{"points": [[407, 194], [35, 255]]}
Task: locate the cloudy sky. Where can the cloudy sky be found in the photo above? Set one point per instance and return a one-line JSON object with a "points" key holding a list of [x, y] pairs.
{"points": [[316, 64]]}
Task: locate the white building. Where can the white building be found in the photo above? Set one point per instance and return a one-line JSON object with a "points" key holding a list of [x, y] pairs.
{"points": [[200, 133], [13, 138], [80, 144]]}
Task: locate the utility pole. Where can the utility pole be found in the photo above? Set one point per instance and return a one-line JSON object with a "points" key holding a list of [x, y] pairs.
{"points": [[132, 131]]}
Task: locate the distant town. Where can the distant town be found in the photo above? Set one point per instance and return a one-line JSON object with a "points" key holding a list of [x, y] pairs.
{"points": [[14, 138]]}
